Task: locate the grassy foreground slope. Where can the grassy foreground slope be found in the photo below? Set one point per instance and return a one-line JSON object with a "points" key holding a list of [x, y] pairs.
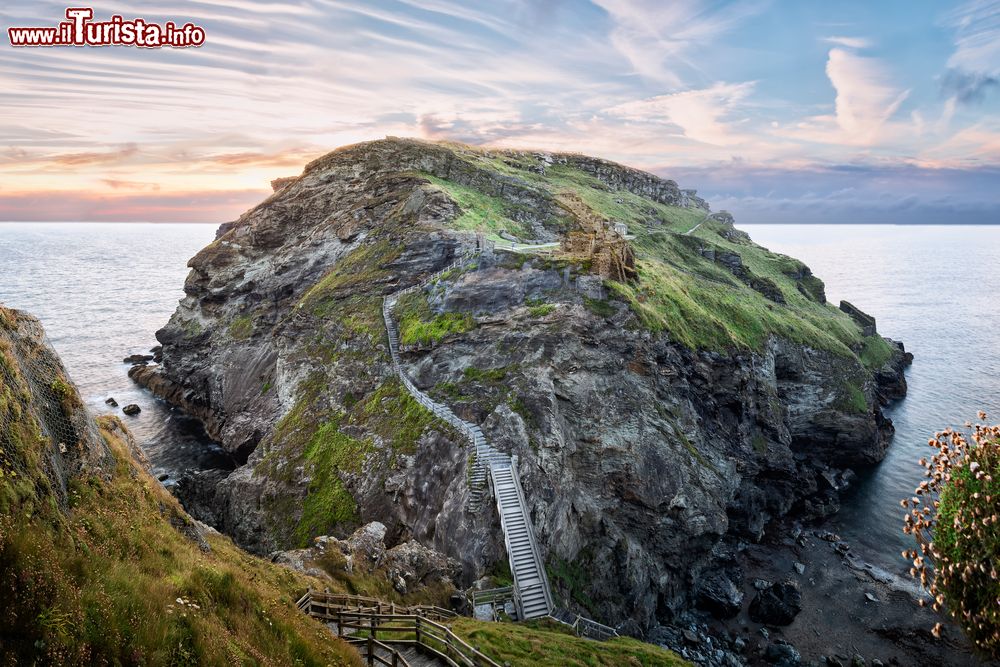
{"points": [[547, 644], [100, 565]]}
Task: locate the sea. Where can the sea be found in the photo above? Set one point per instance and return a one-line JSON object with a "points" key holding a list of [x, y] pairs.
{"points": [[102, 291]]}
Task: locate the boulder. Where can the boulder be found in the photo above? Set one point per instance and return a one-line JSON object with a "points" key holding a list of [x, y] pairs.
{"points": [[138, 359], [111, 401], [782, 654], [778, 604], [718, 595], [131, 409]]}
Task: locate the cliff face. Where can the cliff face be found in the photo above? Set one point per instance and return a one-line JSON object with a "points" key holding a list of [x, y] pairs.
{"points": [[654, 419]]}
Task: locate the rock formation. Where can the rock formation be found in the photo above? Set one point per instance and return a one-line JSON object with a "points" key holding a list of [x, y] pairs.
{"points": [[682, 402]]}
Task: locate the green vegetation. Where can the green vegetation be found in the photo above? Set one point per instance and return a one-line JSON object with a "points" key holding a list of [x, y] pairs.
{"points": [[550, 644], [109, 571], [539, 309], [953, 517], [719, 315], [480, 211], [853, 399], [419, 325], [395, 416], [875, 352], [703, 303], [572, 578], [328, 502], [241, 327], [312, 435], [486, 375], [342, 291], [599, 307]]}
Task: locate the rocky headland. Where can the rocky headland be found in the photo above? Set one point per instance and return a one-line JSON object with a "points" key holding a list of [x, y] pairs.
{"points": [[671, 390]]}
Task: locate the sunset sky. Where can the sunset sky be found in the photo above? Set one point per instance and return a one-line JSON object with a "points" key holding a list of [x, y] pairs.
{"points": [[780, 111]]}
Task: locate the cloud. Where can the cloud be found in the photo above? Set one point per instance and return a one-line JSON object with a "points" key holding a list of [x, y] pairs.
{"points": [[656, 36], [84, 158], [119, 184], [699, 114], [974, 67], [866, 98], [849, 42]]}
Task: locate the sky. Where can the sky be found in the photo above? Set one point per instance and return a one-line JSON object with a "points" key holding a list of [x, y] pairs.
{"points": [[776, 110]]}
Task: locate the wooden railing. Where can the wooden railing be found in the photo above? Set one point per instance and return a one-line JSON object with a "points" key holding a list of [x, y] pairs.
{"points": [[357, 620], [369, 647]]}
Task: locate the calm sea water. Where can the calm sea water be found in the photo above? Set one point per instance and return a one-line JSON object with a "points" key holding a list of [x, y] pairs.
{"points": [[102, 290], [937, 289]]}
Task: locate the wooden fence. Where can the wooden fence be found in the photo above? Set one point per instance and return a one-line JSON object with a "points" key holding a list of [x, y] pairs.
{"points": [[360, 619]]}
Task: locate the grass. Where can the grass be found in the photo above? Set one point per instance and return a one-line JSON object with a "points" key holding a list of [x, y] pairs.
{"points": [[573, 578], [419, 325], [875, 352], [715, 315], [540, 310], [107, 572], [241, 328], [328, 502], [349, 279], [486, 375], [853, 399], [599, 307], [698, 301], [549, 644], [312, 437], [481, 212]]}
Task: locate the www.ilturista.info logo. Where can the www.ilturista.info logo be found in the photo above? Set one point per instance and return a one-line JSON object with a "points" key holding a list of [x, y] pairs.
{"points": [[81, 30]]}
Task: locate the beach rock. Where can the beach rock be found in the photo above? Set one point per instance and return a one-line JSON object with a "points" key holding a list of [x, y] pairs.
{"points": [[777, 604], [138, 359], [131, 409], [782, 654], [720, 596]]}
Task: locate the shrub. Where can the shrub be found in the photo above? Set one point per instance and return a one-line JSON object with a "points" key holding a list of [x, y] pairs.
{"points": [[955, 520]]}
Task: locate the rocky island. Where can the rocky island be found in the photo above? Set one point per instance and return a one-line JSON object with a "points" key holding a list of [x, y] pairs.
{"points": [[668, 390]]}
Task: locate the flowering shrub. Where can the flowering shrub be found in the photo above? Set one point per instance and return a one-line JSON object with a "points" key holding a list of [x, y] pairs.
{"points": [[955, 519]]}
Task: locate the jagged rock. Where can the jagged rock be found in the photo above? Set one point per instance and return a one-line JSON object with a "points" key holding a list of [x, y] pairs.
{"points": [[778, 604], [281, 183], [637, 454], [131, 409], [408, 566], [782, 654], [720, 596], [111, 401]]}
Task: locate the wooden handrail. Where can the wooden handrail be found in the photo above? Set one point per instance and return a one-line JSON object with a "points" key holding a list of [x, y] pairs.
{"points": [[427, 634]]}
